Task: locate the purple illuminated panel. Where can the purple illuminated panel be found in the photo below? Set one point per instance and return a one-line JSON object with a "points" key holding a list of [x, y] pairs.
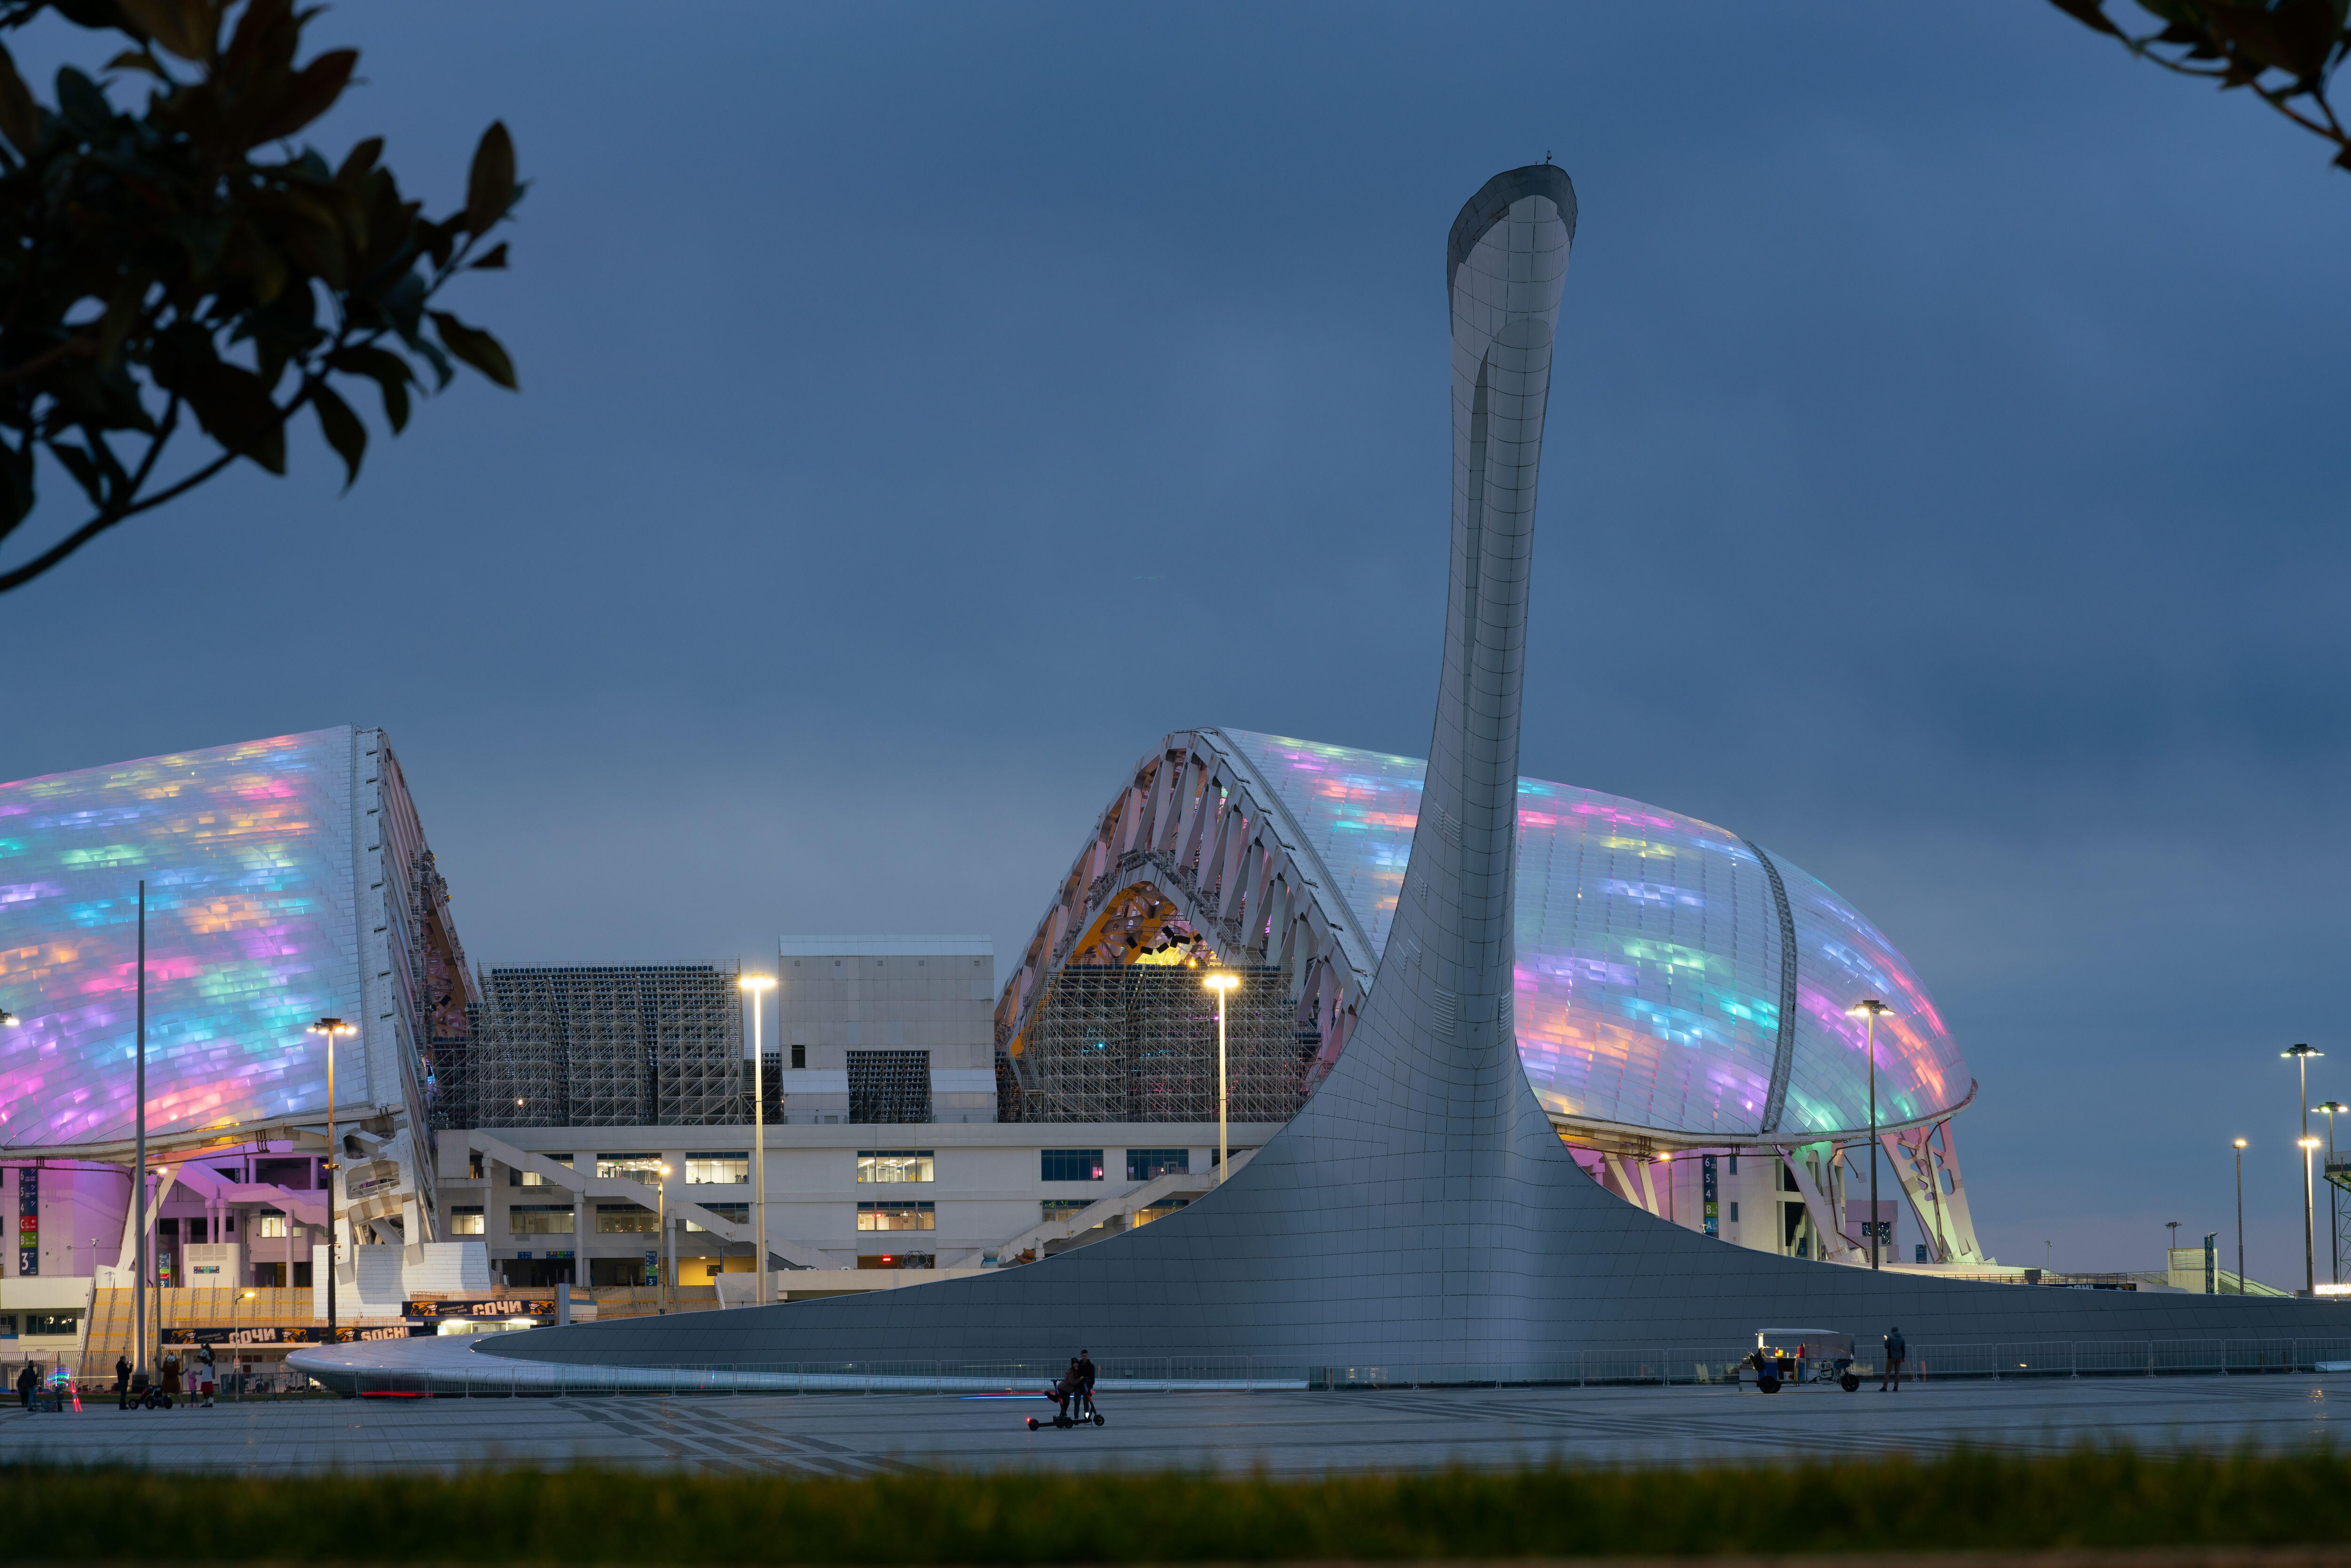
{"points": [[251, 934], [1648, 954]]}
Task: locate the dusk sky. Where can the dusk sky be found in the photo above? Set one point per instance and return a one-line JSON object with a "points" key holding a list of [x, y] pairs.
{"points": [[925, 409]]}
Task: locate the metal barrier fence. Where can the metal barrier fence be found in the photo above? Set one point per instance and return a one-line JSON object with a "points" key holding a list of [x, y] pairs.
{"points": [[495, 1376]]}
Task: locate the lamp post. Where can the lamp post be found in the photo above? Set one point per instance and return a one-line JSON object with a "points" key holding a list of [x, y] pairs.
{"points": [[1220, 983], [2334, 1222], [1869, 1008], [330, 1027], [2240, 1217], [758, 985], [2302, 1055], [667, 1253]]}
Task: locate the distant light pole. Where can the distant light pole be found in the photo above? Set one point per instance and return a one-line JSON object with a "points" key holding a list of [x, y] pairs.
{"points": [[2334, 1222], [2302, 1055], [1221, 982], [330, 1027], [2172, 1245], [758, 986], [2240, 1217], [1869, 1008], [662, 1249]]}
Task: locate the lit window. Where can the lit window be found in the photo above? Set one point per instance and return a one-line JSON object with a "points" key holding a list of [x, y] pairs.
{"points": [[625, 1220], [740, 1213], [272, 1225], [1062, 1207], [645, 1168], [1070, 1165], [717, 1170], [895, 1165], [532, 1178], [540, 1219], [468, 1222], [1160, 1210], [897, 1216], [1142, 1165]]}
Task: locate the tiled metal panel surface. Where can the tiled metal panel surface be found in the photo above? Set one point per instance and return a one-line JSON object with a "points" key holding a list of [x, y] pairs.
{"points": [[1421, 1210], [248, 856]]}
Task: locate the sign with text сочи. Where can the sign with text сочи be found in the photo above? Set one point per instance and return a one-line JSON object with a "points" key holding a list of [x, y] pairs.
{"points": [[270, 1334], [498, 1309]]}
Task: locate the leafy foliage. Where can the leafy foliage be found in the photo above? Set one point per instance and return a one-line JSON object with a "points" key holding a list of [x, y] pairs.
{"points": [[1980, 1502], [187, 266], [2285, 51]]}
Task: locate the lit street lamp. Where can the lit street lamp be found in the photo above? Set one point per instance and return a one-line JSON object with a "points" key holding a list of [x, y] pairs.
{"points": [[2302, 1055], [1221, 982], [330, 1027], [9, 1019], [758, 986], [1869, 1008], [2240, 1217], [2333, 1223]]}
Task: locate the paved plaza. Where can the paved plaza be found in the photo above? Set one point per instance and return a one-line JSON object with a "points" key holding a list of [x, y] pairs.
{"points": [[1292, 1432]]}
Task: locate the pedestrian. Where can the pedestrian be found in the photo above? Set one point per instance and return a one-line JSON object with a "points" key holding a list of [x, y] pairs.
{"points": [[1086, 1374], [26, 1380], [171, 1379], [1897, 1347], [204, 1376], [122, 1382]]}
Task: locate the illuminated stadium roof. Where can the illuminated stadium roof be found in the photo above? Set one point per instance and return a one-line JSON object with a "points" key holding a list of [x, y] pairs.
{"points": [[1672, 977], [285, 878]]}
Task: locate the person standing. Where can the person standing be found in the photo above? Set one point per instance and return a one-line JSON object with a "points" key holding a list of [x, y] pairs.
{"points": [[1896, 1348], [26, 1380], [1086, 1374], [205, 1374]]}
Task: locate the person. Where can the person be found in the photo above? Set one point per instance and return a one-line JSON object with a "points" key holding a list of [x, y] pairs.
{"points": [[171, 1380], [122, 1382], [138, 1387], [1895, 1349], [26, 1380], [204, 1380], [1066, 1390], [1086, 1374]]}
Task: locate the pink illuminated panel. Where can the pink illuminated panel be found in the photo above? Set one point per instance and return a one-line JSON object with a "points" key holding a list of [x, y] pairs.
{"points": [[248, 856], [1648, 954]]}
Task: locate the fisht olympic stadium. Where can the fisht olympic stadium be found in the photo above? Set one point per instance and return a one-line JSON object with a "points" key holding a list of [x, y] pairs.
{"points": [[1480, 964]]}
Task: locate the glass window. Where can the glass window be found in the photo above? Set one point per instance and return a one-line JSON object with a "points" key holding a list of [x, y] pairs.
{"points": [[895, 1165], [1062, 1207], [1070, 1165], [272, 1224], [897, 1216], [469, 1221], [1142, 1164], [740, 1213], [717, 1170], [52, 1322], [1160, 1210], [1734, 1211], [897, 1261], [625, 1220], [532, 1178], [1734, 1162], [645, 1168], [539, 1219]]}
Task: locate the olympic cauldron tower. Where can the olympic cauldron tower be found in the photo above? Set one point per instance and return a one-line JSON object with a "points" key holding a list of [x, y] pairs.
{"points": [[1420, 1211]]}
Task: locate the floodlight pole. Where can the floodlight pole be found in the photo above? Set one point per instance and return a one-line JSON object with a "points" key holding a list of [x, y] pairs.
{"points": [[1220, 984], [758, 985], [1869, 1008], [2240, 1217], [2302, 1055], [139, 1158], [327, 1029]]}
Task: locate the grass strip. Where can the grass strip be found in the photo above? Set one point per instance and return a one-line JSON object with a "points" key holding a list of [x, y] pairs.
{"points": [[1969, 1500]]}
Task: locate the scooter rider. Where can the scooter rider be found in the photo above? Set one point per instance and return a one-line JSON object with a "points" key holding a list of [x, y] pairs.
{"points": [[1086, 1374]]}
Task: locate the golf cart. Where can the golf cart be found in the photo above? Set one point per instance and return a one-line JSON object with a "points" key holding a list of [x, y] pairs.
{"points": [[1784, 1356]]}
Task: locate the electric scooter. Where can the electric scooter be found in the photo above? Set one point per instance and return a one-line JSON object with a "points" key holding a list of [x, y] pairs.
{"points": [[1080, 1412]]}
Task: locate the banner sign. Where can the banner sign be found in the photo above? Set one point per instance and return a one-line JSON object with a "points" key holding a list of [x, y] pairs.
{"points": [[481, 1307], [1711, 1190], [28, 1220], [270, 1334]]}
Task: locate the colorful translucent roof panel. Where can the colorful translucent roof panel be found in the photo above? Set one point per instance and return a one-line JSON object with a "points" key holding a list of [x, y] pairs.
{"points": [[251, 934], [1649, 955]]}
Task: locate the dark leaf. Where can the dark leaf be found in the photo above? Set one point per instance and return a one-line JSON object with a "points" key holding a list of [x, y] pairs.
{"points": [[311, 94], [2306, 31], [85, 472], [390, 372], [2089, 12], [477, 347], [185, 28], [490, 187], [2342, 159], [232, 405], [15, 484], [359, 161], [20, 117], [343, 430], [493, 260], [82, 104]]}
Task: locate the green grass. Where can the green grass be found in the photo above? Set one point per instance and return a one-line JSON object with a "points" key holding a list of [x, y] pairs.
{"points": [[2104, 1499]]}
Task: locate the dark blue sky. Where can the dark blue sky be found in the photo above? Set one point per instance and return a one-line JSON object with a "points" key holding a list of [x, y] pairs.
{"points": [[925, 409]]}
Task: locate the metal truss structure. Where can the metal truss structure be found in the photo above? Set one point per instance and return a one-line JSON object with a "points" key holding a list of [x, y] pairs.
{"points": [[598, 1046], [1137, 1043], [1197, 849]]}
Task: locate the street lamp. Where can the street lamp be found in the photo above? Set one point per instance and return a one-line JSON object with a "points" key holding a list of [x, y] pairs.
{"points": [[662, 1248], [330, 1027], [1221, 982], [2333, 1223], [758, 985], [1869, 1008], [2309, 1260], [2302, 1055], [2240, 1217], [9, 1019]]}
